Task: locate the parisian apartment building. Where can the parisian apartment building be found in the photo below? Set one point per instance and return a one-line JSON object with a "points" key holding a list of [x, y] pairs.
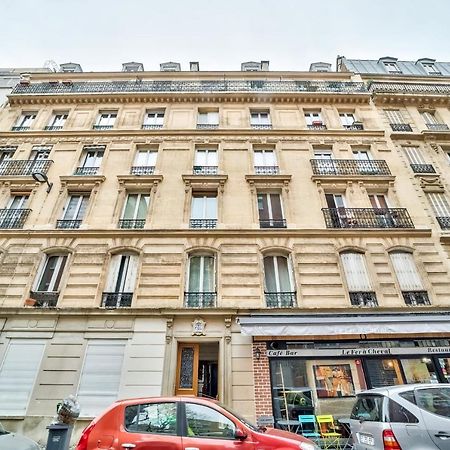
{"points": [[278, 241]]}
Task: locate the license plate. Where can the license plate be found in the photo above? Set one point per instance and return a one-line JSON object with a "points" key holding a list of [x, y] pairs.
{"points": [[366, 439]]}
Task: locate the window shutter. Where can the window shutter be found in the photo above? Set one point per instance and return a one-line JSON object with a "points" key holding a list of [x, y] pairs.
{"points": [[100, 377], [18, 374], [406, 271], [113, 272], [394, 116], [356, 272], [414, 155], [131, 274], [440, 204]]}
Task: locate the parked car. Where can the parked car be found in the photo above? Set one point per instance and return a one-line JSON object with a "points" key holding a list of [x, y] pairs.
{"points": [[13, 441], [406, 417], [176, 423]]}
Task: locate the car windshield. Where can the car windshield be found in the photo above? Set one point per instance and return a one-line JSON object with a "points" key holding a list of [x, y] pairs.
{"points": [[239, 417]]}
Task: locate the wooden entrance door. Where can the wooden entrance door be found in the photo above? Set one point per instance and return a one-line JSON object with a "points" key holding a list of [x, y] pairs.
{"points": [[187, 369]]}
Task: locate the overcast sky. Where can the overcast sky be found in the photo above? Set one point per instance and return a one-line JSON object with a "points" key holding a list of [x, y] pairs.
{"points": [[102, 34]]}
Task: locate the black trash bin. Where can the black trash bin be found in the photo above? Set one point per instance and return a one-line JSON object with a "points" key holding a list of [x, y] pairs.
{"points": [[59, 436]]}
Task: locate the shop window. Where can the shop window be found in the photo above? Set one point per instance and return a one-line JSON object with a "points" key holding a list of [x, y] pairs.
{"points": [[420, 370], [444, 364], [384, 372]]}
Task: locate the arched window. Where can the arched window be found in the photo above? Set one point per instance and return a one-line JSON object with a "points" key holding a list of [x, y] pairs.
{"points": [[279, 282], [201, 282]]}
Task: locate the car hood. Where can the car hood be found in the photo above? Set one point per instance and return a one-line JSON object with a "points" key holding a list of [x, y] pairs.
{"points": [[286, 435], [13, 441]]}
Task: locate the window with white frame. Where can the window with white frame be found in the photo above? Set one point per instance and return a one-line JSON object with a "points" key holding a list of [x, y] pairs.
{"points": [[6, 153], [57, 121], [362, 154], [441, 208], [347, 119], [417, 160], [16, 212], [429, 117], [40, 152], [430, 68], [18, 372], [201, 281], [122, 273], [205, 161], [208, 119], [357, 278], [49, 279], [144, 161], [91, 160], [25, 121], [323, 154], [265, 162], [314, 119], [154, 118], [394, 116], [17, 202], [74, 211], [279, 283], [260, 119], [135, 211], [204, 210], [391, 67], [106, 119], [100, 375], [270, 210]]}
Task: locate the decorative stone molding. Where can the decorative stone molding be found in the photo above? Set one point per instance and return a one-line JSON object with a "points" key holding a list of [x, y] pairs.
{"points": [[268, 182], [228, 322], [169, 330], [204, 182], [431, 184], [81, 183], [139, 182]]}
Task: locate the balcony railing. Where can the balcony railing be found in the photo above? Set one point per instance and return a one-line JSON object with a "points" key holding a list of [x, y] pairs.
{"points": [[410, 88], [272, 223], [45, 299], [437, 126], [102, 127], [367, 218], [261, 126], [205, 170], [13, 218], [444, 222], [203, 223], [116, 299], [207, 126], [414, 298], [68, 224], [355, 126], [367, 298], [151, 126], [200, 299], [129, 224], [24, 167], [317, 126], [422, 168], [86, 170], [267, 170], [142, 170], [105, 87], [349, 167], [401, 127], [53, 128], [281, 299], [20, 128]]}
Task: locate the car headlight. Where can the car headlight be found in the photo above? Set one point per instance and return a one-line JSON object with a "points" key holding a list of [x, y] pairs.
{"points": [[307, 446]]}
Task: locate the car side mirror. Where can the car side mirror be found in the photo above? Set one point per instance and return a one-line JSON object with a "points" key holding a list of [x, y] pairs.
{"points": [[240, 435]]}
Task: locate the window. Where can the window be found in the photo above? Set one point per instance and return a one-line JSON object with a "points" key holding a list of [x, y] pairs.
{"points": [[154, 418], [135, 211], [91, 160], [100, 376], [205, 162], [51, 274], [204, 210], [323, 154], [6, 153], [357, 277], [417, 161], [144, 162], [314, 120], [105, 120], [420, 370], [441, 208], [324, 163], [16, 213], [260, 119], [432, 121], [201, 282], [121, 280], [384, 218], [431, 69], [362, 155], [40, 152], [153, 119], [24, 121], [396, 120], [368, 408], [336, 213], [18, 373], [349, 122], [392, 67], [208, 119], [265, 162], [278, 282], [18, 202], [270, 211], [205, 422], [57, 121], [74, 211]]}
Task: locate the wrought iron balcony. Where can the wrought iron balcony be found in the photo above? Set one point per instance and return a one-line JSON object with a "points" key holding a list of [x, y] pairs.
{"points": [[200, 299], [415, 298], [20, 128], [86, 170], [24, 167], [317, 126], [129, 224], [117, 299], [53, 128], [444, 222], [437, 126], [13, 218], [142, 170], [272, 223], [367, 218], [68, 224], [409, 88], [267, 170], [102, 127], [260, 126], [203, 223], [401, 127], [222, 85], [368, 299], [422, 168], [281, 299], [151, 126], [45, 299], [355, 126], [349, 167], [205, 170], [207, 126]]}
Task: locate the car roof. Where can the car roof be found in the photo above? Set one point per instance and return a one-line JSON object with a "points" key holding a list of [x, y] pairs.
{"points": [[387, 391], [200, 400]]}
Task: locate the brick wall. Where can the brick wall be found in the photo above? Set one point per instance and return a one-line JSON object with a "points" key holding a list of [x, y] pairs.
{"points": [[261, 374]]}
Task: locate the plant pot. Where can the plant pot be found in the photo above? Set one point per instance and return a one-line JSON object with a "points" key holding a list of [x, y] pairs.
{"points": [[30, 302]]}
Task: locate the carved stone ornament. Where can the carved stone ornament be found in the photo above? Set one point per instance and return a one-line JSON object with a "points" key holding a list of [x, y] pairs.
{"points": [[431, 184], [198, 327]]}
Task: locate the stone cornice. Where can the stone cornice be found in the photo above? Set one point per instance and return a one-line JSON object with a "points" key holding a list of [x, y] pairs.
{"points": [[418, 100]]}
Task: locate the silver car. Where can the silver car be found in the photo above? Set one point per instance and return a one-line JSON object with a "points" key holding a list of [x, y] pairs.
{"points": [[406, 417], [13, 441]]}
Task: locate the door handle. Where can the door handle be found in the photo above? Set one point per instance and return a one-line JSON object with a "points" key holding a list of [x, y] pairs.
{"points": [[443, 435], [126, 445]]}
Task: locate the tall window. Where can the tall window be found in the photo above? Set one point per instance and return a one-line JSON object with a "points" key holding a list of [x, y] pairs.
{"points": [[279, 283], [57, 121], [347, 119], [121, 280], [323, 163], [208, 119], [270, 211], [205, 162], [417, 161], [25, 121], [441, 208], [357, 277], [135, 211], [16, 212], [396, 120], [105, 120], [433, 122], [154, 118], [260, 119], [265, 162], [409, 279], [74, 211], [336, 213], [91, 160], [204, 210], [201, 282], [144, 162]]}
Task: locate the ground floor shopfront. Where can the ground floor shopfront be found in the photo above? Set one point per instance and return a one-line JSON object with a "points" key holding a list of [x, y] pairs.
{"points": [[318, 370]]}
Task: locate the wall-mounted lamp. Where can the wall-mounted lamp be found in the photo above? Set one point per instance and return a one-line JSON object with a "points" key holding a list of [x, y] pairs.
{"points": [[257, 353], [42, 178]]}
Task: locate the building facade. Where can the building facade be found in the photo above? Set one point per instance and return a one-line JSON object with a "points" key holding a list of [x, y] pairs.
{"points": [[257, 237]]}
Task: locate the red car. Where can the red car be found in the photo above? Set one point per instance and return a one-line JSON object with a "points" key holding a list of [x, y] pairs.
{"points": [[181, 423]]}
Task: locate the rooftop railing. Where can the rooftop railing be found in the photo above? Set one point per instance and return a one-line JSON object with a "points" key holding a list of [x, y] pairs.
{"points": [[349, 167], [409, 88], [24, 167]]}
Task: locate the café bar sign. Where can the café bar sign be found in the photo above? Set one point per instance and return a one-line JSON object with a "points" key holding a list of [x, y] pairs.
{"points": [[354, 352]]}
